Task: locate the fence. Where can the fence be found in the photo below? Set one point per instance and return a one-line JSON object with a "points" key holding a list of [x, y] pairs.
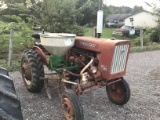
{"points": [[15, 48]]}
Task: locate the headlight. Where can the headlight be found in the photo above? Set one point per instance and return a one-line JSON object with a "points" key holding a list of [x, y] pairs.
{"points": [[94, 69]]}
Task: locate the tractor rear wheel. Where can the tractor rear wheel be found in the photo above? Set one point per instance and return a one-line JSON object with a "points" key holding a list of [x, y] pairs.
{"points": [[119, 92], [71, 106], [10, 107], [32, 71]]}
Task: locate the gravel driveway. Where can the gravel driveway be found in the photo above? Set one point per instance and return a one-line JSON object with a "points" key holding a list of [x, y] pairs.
{"points": [[143, 76]]}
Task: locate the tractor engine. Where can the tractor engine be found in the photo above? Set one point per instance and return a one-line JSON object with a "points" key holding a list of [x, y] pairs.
{"points": [[99, 60]]}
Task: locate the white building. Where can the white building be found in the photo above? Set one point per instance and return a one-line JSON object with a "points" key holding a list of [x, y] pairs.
{"points": [[143, 19]]}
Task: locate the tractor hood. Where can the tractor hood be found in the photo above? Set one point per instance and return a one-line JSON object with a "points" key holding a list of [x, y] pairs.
{"points": [[106, 50]]}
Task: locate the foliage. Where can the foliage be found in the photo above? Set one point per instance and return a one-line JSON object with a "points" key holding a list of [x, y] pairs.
{"points": [[150, 35], [22, 34], [106, 11], [13, 1], [120, 10], [60, 16], [150, 47], [14, 66], [17, 9], [76, 30], [124, 9], [155, 32], [146, 40], [90, 11], [136, 9]]}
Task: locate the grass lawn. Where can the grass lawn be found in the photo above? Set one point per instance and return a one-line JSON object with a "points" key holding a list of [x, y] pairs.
{"points": [[107, 33]]}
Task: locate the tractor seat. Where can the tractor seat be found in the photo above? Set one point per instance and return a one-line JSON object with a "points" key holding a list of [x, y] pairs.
{"points": [[36, 35]]}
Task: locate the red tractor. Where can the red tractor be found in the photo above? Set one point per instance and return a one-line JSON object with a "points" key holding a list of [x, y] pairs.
{"points": [[78, 65]]}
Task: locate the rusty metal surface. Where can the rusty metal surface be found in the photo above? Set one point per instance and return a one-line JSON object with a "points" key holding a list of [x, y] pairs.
{"points": [[41, 54], [105, 49], [116, 91], [68, 109]]}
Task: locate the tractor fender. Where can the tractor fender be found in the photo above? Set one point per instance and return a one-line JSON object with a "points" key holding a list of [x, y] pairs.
{"points": [[41, 54]]}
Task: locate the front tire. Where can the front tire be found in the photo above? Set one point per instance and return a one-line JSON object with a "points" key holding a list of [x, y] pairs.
{"points": [[32, 71], [119, 92], [71, 106]]}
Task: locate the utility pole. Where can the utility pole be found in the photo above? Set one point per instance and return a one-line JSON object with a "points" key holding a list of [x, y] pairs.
{"points": [[141, 38], [100, 19], [100, 4]]}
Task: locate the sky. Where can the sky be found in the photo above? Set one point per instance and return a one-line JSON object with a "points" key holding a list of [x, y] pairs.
{"points": [[130, 3]]}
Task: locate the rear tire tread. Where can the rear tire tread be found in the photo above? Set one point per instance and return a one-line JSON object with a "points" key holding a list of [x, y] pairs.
{"points": [[37, 70], [10, 107]]}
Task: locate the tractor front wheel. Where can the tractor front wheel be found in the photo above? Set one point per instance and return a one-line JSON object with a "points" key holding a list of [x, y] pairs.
{"points": [[32, 71], [71, 106], [119, 92]]}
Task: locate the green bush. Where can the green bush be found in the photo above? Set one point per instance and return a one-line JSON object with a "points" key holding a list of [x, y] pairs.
{"points": [[66, 28], [78, 30], [146, 40], [8, 19], [151, 47], [155, 35], [150, 36], [22, 33]]}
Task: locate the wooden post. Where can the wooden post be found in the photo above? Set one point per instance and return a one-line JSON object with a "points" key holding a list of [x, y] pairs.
{"points": [[141, 38], [95, 31], [10, 47], [91, 32]]}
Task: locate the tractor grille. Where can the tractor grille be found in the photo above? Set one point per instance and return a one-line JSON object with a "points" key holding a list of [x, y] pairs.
{"points": [[119, 59]]}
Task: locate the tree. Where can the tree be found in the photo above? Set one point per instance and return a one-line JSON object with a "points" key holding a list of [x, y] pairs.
{"points": [[60, 16], [14, 1], [106, 11], [137, 9], [89, 11], [155, 32], [119, 10], [16, 8]]}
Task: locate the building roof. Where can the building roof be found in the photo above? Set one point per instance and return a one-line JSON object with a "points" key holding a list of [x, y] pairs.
{"points": [[140, 12], [117, 17]]}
